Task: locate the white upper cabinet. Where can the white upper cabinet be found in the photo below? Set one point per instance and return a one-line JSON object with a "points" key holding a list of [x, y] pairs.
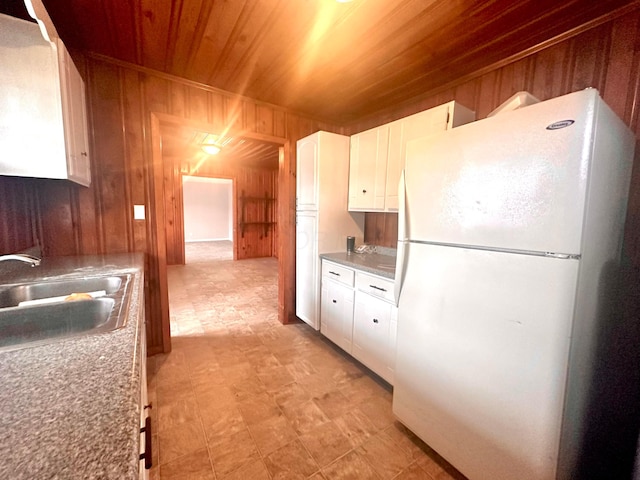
{"points": [[378, 155], [422, 124], [43, 122], [368, 169], [307, 174], [74, 116]]}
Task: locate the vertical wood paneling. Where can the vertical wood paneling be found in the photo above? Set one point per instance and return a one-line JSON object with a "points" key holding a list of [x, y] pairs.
{"points": [[198, 106], [59, 234], [137, 178], [178, 100], [19, 227], [108, 156]]}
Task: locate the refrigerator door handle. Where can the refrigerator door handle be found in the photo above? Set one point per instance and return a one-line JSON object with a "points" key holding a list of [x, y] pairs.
{"points": [[402, 237], [402, 208]]}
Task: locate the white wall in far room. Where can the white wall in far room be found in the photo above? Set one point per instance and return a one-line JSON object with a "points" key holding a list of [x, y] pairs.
{"points": [[208, 208]]}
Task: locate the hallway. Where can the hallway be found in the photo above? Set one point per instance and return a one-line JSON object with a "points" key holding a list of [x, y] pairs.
{"points": [[243, 397]]}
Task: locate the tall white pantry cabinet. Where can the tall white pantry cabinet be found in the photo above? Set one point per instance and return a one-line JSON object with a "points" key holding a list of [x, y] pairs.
{"points": [[322, 220]]}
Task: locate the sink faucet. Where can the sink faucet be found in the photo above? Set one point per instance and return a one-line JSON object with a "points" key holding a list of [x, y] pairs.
{"points": [[22, 257]]}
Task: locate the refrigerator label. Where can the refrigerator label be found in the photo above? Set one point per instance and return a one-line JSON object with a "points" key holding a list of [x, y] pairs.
{"points": [[560, 124]]}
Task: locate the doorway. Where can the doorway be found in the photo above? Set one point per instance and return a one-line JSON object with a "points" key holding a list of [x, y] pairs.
{"points": [[208, 219], [272, 224]]}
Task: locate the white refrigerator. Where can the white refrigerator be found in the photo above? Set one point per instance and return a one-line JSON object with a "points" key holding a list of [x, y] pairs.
{"points": [[509, 228]]}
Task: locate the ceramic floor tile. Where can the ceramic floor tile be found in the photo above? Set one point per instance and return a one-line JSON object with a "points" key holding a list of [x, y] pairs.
{"points": [[214, 396], [221, 422], [195, 466], [325, 443], [276, 377], [386, 458], [413, 472], [355, 426], [378, 410], [333, 404], [350, 467], [181, 440], [272, 433], [257, 408], [291, 461], [168, 392], [230, 452], [180, 411], [304, 416], [254, 470], [406, 439]]}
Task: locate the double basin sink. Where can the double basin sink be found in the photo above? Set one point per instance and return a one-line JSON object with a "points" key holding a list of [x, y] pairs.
{"points": [[43, 312]]}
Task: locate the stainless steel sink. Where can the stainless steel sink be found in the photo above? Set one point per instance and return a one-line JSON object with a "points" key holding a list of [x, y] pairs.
{"points": [[13, 295], [37, 324], [23, 326]]}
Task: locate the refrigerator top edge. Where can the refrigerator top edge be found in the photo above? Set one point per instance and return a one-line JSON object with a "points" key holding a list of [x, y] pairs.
{"points": [[516, 181]]}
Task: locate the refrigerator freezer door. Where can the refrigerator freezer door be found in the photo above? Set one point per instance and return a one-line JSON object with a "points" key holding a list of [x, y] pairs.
{"points": [[482, 348], [524, 189]]}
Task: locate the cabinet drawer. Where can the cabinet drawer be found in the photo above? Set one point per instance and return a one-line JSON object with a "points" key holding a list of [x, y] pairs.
{"points": [[376, 286], [338, 273]]}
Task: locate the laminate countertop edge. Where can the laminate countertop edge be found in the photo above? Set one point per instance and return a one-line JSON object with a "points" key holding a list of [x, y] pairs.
{"points": [[70, 409], [375, 263]]}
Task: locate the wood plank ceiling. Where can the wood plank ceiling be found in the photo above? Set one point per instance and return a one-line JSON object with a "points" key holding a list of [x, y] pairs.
{"points": [[335, 61], [182, 143]]}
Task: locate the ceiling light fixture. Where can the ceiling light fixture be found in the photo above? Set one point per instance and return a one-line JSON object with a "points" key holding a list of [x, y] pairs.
{"points": [[210, 148]]}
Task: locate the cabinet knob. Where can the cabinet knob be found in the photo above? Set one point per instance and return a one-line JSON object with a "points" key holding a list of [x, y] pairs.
{"points": [[375, 320], [334, 301], [364, 191], [84, 154]]}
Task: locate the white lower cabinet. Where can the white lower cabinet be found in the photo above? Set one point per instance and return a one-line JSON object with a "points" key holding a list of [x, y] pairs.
{"points": [[336, 304], [365, 328], [375, 321], [336, 321]]}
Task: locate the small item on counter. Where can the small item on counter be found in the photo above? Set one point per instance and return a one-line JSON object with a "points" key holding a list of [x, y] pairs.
{"points": [[78, 296], [351, 244], [364, 248]]}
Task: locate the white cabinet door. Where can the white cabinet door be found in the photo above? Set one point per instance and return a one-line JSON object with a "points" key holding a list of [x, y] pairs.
{"points": [[402, 131], [43, 116], [307, 275], [336, 316], [371, 333], [75, 119], [306, 174], [368, 169]]}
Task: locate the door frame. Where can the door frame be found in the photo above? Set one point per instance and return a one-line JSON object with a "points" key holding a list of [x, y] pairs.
{"points": [[286, 216]]}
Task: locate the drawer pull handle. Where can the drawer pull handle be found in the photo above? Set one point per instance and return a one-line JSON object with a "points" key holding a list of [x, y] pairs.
{"points": [[378, 288], [147, 455], [334, 273], [375, 320], [334, 301]]}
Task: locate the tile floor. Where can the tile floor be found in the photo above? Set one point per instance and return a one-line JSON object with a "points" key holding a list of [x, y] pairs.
{"points": [[243, 397]]}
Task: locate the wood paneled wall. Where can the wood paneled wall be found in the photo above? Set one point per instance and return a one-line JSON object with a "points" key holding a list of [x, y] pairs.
{"points": [[67, 219], [606, 57]]}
